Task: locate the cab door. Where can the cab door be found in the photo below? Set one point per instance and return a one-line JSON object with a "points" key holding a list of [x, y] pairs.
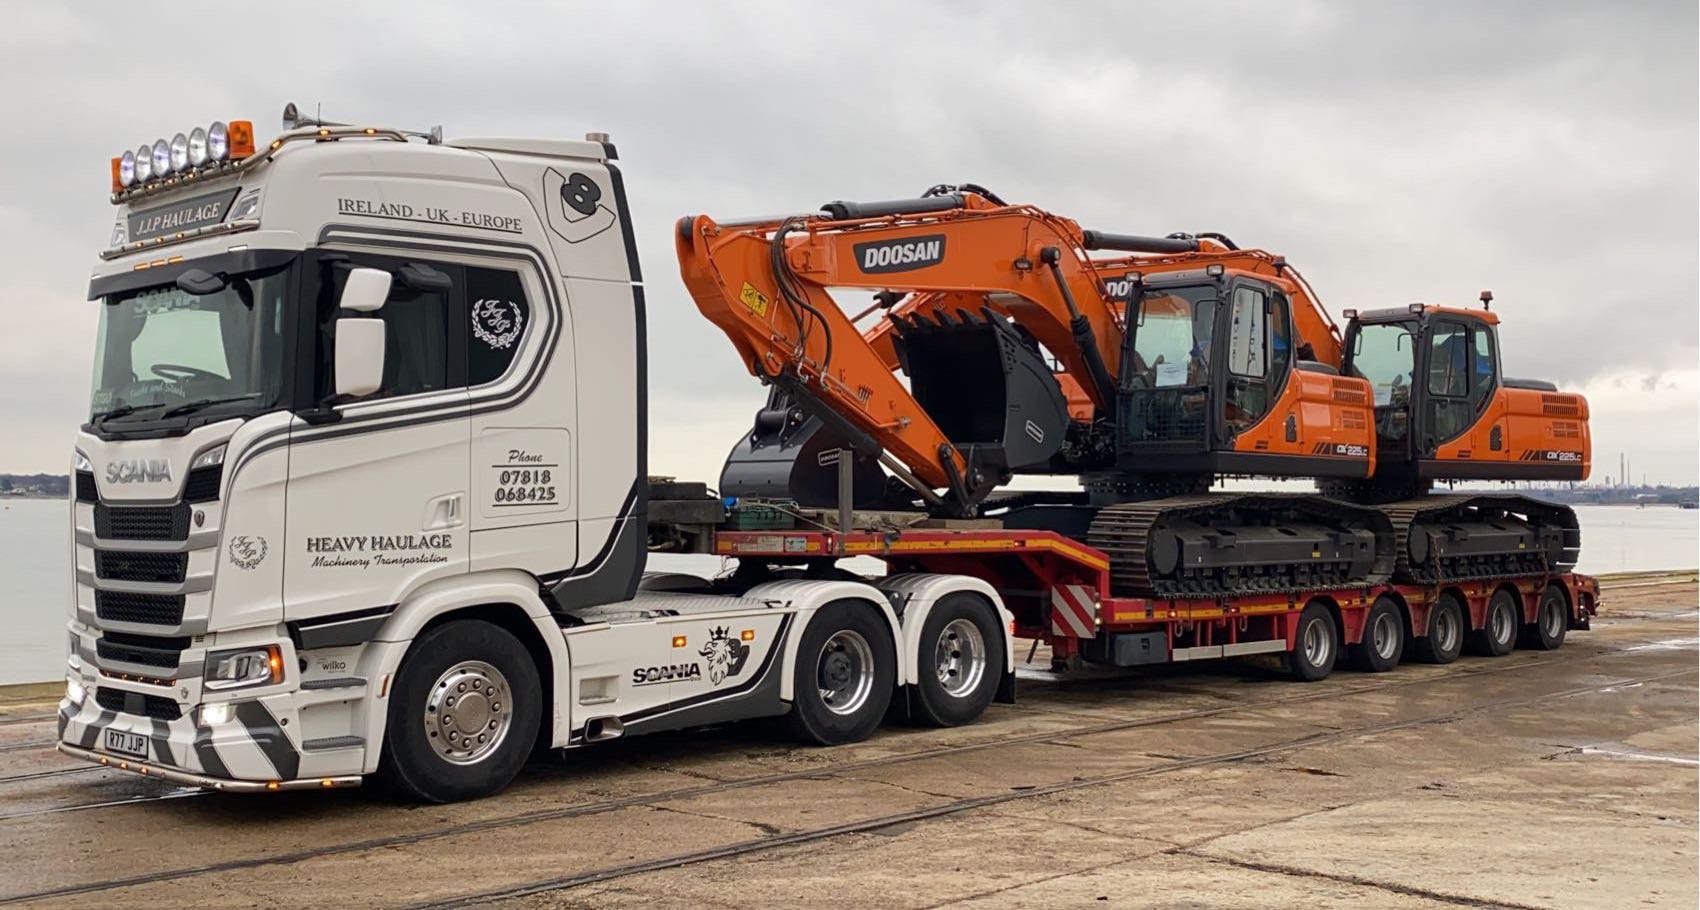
{"points": [[377, 488]]}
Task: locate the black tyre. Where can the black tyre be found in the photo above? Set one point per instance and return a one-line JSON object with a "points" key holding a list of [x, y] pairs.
{"points": [[1500, 625], [1383, 644], [1552, 620], [1444, 638], [464, 713], [960, 661], [846, 672], [1316, 644]]}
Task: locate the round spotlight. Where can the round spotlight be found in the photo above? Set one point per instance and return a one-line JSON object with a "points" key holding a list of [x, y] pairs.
{"points": [[127, 169], [218, 141], [161, 158], [179, 152], [197, 146], [144, 164]]}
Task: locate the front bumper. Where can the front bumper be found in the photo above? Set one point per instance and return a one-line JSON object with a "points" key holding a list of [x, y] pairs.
{"points": [[248, 754]]}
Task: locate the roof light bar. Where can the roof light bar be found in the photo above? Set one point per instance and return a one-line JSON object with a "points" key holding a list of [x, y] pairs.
{"points": [[184, 156]]}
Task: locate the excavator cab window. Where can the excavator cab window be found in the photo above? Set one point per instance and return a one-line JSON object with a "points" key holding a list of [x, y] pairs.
{"points": [[1385, 355], [1451, 408], [1248, 359], [1168, 377]]}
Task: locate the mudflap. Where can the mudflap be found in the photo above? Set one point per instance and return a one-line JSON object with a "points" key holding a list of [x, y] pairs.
{"points": [[791, 454], [984, 383]]}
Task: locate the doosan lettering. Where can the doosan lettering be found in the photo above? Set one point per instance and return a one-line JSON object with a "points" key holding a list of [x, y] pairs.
{"points": [[903, 253]]}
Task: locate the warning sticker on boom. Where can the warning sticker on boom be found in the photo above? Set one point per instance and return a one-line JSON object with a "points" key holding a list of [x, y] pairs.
{"points": [[754, 299]]}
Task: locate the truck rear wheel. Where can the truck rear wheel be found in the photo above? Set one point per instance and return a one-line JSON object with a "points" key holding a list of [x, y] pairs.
{"points": [[463, 714], [959, 670], [1444, 638], [1552, 619], [1384, 638], [1498, 634], [1315, 645], [846, 671]]}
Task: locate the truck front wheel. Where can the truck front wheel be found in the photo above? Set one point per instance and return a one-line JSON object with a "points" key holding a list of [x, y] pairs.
{"points": [[463, 714], [960, 661], [846, 671]]}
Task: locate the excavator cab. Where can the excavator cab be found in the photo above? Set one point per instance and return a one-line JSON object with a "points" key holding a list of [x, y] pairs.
{"points": [[1443, 409], [1214, 382]]}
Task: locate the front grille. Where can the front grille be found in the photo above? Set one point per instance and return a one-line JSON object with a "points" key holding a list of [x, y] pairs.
{"points": [[155, 706], [202, 485], [141, 522], [141, 649], [126, 606], [125, 565], [86, 491]]}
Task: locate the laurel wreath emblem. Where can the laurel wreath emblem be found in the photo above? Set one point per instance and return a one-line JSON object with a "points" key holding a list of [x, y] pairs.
{"points": [[247, 552], [497, 323]]}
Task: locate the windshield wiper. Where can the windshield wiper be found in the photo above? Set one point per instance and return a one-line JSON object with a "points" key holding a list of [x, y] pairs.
{"points": [[199, 403], [100, 419]]}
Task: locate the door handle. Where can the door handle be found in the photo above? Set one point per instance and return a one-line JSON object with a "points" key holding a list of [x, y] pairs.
{"points": [[443, 512]]}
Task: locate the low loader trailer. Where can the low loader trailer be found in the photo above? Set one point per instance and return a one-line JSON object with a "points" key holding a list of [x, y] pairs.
{"points": [[363, 493]]}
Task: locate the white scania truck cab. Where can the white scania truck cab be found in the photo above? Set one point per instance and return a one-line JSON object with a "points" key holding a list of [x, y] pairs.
{"points": [[363, 486]]}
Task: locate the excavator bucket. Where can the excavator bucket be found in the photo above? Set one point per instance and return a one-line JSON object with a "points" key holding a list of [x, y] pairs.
{"points": [[985, 384], [791, 454]]}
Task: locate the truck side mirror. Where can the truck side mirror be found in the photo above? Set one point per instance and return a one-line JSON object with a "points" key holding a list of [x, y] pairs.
{"points": [[360, 339], [359, 356], [365, 290]]}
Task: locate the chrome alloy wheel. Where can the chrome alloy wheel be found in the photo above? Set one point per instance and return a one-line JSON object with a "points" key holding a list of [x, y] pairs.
{"points": [[1318, 644], [468, 712], [1385, 635], [960, 658], [1447, 631], [845, 672]]}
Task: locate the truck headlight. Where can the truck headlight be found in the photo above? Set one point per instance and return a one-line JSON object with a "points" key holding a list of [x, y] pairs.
{"points": [[244, 667], [74, 692], [209, 458], [80, 462]]}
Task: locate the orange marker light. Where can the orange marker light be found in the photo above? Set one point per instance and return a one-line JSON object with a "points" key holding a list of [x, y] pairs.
{"points": [[678, 641], [241, 139], [747, 635], [275, 659], [117, 182]]}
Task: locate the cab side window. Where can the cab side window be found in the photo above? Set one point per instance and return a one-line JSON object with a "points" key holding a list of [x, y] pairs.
{"points": [[498, 317], [1248, 359], [1482, 370], [423, 348]]}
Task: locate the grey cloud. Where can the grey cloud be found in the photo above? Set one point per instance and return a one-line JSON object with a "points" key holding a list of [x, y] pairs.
{"points": [[1394, 151]]}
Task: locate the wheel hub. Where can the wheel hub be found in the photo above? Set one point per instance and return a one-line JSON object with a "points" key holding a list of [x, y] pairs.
{"points": [[844, 672], [959, 659]]}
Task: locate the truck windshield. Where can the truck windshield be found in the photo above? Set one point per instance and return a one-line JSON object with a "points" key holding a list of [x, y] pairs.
{"points": [[164, 351]]}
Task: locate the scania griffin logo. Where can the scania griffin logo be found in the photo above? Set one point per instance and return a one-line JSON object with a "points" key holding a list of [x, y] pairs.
{"points": [[908, 254], [725, 655], [138, 470]]}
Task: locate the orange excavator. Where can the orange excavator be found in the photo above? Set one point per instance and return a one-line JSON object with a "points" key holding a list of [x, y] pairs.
{"points": [[1148, 376]]}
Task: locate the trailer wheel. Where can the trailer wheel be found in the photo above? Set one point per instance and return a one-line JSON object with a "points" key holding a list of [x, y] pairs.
{"points": [[1315, 645], [1498, 634], [1383, 644], [1444, 638], [1552, 619], [846, 672], [959, 672], [463, 714]]}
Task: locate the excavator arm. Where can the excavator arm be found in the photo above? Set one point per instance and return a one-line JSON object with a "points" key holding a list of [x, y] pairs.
{"points": [[1015, 275]]}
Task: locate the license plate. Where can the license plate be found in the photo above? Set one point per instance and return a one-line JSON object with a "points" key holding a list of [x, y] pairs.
{"points": [[127, 743]]}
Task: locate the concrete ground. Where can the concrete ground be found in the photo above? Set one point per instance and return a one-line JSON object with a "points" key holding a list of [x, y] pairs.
{"points": [[1562, 779]]}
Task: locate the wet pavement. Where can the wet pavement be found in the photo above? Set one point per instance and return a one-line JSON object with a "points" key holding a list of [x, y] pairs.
{"points": [[1562, 779]]}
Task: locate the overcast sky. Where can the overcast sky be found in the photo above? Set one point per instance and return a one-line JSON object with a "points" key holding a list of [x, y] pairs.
{"points": [[1394, 152]]}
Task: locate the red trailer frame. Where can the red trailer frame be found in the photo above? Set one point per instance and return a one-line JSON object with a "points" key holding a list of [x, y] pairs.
{"points": [[1059, 590]]}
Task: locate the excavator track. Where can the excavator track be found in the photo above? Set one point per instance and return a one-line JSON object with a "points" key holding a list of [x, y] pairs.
{"points": [[1224, 544], [1458, 537]]}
